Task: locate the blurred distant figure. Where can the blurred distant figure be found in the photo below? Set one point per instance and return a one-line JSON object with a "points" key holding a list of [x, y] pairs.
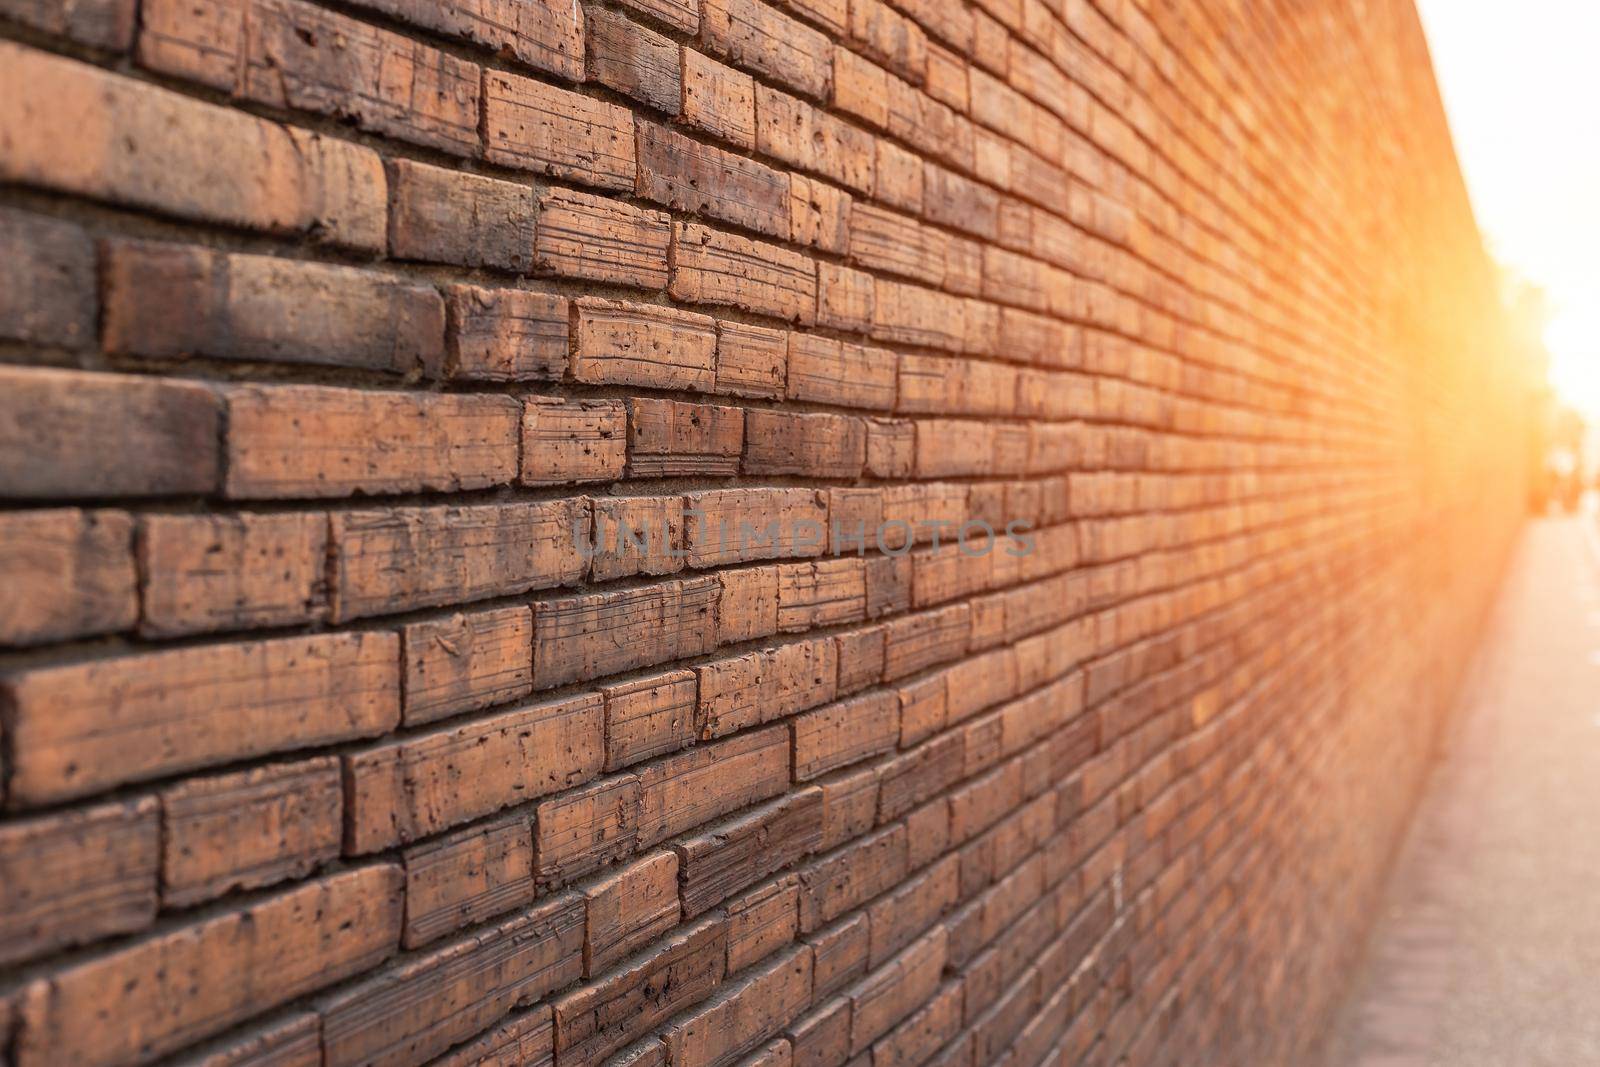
{"points": [[1565, 486]]}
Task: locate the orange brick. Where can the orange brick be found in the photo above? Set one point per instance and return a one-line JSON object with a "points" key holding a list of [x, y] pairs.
{"points": [[718, 99], [505, 335], [711, 267], [291, 55], [147, 147], [585, 236], [670, 438], [320, 441], [52, 423], [466, 662], [545, 34], [77, 876], [397, 1015], [528, 125], [444, 216], [567, 441], [232, 572], [292, 943], [466, 877], [248, 829], [67, 573], [635, 61], [191, 707], [629, 909], [751, 35], [401, 558], [642, 344], [49, 298], [399, 791]]}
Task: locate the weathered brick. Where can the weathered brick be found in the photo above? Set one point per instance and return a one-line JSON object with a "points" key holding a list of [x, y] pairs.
{"points": [[649, 717], [401, 790], [849, 805], [529, 125], [598, 634], [231, 572], [399, 1016], [505, 335], [465, 877], [397, 559], [819, 214], [860, 659], [845, 298], [107, 24], [761, 921], [708, 781], [900, 916], [185, 708], [822, 1038], [805, 137], [765, 685], [895, 990], [751, 360], [635, 61], [809, 444], [247, 829], [67, 573], [733, 855], [717, 99], [739, 525], [77, 876], [841, 955], [751, 35], [844, 733], [670, 439], [183, 982], [147, 147], [53, 423], [745, 1015], [320, 441], [678, 14], [466, 662], [833, 372], [568, 441], [445, 216], [47, 283], [917, 1039], [596, 1020], [292, 1039], [686, 175], [748, 607], [585, 236], [629, 909], [544, 34], [821, 593], [712, 267], [893, 244], [164, 300], [849, 877], [524, 1039], [292, 55], [636, 535], [586, 829], [618, 343]]}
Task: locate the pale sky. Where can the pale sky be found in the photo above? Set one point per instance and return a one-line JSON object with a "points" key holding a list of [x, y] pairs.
{"points": [[1521, 83]]}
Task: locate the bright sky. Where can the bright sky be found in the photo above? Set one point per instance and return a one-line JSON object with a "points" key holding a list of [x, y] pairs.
{"points": [[1521, 83]]}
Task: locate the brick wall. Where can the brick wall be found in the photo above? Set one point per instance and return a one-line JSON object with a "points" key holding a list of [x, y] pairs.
{"points": [[328, 329]]}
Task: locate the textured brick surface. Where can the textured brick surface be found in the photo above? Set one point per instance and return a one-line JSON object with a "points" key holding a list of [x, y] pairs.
{"points": [[504, 510]]}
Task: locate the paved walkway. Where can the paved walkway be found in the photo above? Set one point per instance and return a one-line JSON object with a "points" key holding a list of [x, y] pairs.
{"points": [[1487, 951]]}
